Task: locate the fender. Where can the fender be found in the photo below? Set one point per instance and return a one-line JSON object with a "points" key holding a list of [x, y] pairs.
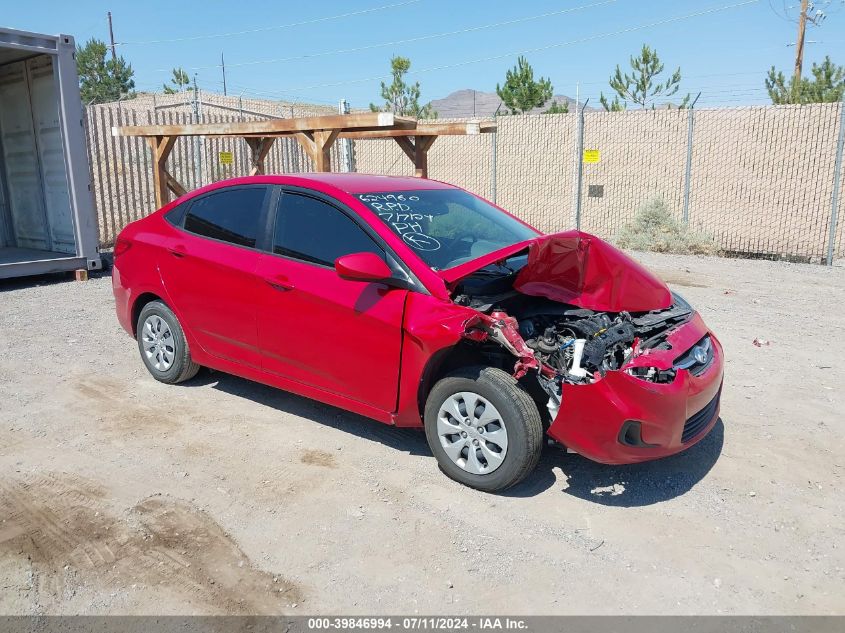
{"points": [[431, 328]]}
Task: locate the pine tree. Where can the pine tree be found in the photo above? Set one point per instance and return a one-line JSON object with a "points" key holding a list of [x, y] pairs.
{"points": [[557, 108], [180, 81], [102, 80], [826, 86], [639, 87], [400, 98], [521, 93]]}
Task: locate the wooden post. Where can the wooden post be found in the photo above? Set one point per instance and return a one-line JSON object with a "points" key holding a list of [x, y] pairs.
{"points": [[417, 151], [175, 186], [324, 140], [421, 147], [306, 140], [407, 146], [260, 148], [318, 146], [164, 182]]}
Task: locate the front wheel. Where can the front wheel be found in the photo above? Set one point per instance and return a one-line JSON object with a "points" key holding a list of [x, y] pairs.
{"points": [[483, 428]]}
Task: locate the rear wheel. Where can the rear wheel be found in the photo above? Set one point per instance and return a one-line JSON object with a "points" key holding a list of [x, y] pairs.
{"points": [[483, 428], [163, 346]]}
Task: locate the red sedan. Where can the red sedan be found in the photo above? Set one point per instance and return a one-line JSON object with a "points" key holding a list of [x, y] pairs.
{"points": [[417, 303]]}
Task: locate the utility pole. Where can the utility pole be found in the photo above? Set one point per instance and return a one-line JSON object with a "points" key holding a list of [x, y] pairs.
{"points": [[111, 37], [799, 44], [223, 64]]}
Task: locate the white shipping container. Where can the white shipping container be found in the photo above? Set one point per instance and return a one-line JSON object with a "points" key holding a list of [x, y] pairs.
{"points": [[47, 218]]}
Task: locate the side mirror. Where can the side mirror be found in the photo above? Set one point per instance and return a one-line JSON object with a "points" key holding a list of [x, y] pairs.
{"points": [[362, 267]]}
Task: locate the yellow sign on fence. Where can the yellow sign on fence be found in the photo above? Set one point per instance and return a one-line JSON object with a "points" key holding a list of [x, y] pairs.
{"points": [[592, 156], [226, 158]]}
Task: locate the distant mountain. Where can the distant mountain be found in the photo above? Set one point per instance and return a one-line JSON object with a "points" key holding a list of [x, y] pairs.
{"points": [[468, 103]]}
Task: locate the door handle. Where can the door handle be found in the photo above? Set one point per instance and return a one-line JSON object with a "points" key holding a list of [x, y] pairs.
{"points": [[282, 285], [177, 251]]}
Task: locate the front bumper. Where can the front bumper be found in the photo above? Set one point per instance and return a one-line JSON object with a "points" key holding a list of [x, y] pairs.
{"points": [[591, 416]]}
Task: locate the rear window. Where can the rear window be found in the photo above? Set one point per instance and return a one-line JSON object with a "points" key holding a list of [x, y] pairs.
{"points": [[177, 213], [229, 215]]}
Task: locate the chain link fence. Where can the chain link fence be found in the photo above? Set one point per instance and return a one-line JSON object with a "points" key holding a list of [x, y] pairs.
{"points": [[761, 180]]}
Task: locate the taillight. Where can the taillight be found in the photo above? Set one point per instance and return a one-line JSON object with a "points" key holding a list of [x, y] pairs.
{"points": [[121, 246]]}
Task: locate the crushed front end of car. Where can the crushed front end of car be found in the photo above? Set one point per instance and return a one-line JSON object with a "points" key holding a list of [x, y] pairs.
{"points": [[629, 370]]}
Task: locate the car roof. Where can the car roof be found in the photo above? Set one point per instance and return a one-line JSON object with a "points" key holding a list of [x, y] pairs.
{"points": [[348, 182]]}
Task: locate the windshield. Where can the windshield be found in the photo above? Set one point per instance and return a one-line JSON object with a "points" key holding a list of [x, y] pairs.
{"points": [[446, 227]]}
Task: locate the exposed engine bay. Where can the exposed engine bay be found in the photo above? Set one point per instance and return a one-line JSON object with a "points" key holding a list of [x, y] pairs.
{"points": [[563, 342], [579, 343]]}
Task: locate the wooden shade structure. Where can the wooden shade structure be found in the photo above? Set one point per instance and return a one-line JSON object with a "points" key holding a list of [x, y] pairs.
{"points": [[315, 134]]}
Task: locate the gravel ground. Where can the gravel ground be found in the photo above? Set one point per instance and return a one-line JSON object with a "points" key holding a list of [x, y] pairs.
{"points": [[122, 495]]}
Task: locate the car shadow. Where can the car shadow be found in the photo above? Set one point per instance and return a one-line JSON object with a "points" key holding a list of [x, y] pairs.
{"points": [[622, 486], [411, 441], [630, 485]]}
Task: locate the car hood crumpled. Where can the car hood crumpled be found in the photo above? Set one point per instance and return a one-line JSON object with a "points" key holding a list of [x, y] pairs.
{"points": [[583, 270], [579, 269]]}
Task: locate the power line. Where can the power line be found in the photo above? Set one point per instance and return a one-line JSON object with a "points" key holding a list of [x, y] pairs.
{"points": [[344, 51], [537, 49], [782, 16], [271, 28]]}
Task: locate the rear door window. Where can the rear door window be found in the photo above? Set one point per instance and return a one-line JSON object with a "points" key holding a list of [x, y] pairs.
{"points": [[229, 215], [314, 231]]}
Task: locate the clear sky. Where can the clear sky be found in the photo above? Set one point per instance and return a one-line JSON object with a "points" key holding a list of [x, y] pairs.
{"points": [[322, 51]]}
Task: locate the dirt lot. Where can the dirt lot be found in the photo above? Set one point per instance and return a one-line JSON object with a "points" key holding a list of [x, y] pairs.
{"points": [[122, 495]]}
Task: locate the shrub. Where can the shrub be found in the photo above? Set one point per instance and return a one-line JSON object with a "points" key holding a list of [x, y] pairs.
{"points": [[654, 228]]}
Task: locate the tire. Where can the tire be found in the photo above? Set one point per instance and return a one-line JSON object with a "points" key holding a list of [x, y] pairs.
{"points": [[513, 410], [169, 361]]}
